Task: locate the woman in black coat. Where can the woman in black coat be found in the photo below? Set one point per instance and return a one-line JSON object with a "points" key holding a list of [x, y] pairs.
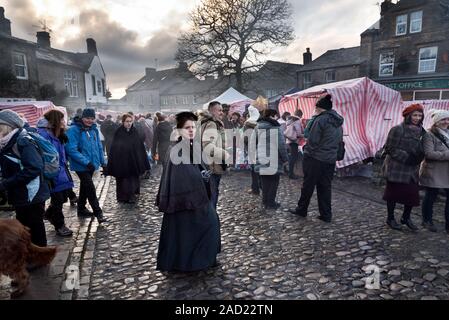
{"points": [[127, 160], [190, 233]]}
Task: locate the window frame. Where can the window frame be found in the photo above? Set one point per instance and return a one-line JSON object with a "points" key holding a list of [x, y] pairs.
{"points": [[414, 20], [24, 66], [401, 23], [327, 72], [386, 64], [94, 85], [307, 84], [434, 59]]}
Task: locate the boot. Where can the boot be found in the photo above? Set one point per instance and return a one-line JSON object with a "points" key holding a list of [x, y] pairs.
{"points": [[392, 223], [429, 226], [100, 217], [408, 222]]}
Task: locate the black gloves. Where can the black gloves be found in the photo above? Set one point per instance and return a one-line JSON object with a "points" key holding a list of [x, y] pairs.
{"points": [[90, 167]]}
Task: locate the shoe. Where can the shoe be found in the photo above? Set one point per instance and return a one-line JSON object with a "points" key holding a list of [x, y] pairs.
{"points": [[85, 213], [274, 206], [100, 217], [394, 225], [430, 226], [256, 193], [293, 177], [327, 220], [64, 232], [409, 224], [297, 213]]}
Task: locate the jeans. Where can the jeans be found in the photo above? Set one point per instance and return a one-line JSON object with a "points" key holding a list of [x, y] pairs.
{"points": [[87, 192], [319, 174], [270, 186], [32, 216], [427, 205]]}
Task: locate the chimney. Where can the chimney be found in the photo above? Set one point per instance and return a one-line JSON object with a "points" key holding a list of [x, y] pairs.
{"points": [[386, 6], [307, 57], [149, 72], [43, 39], [92, 46], [183, 66], [5, 24]]}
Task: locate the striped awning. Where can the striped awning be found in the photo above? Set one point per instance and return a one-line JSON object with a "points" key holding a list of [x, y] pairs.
{"points": [[31, 110]]}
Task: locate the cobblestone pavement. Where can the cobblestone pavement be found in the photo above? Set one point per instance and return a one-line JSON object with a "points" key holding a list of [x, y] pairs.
{"points": [[73, 258], [274, 254]]}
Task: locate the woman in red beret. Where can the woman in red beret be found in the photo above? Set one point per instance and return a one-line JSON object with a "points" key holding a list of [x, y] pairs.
{"points": [[401, 166]]}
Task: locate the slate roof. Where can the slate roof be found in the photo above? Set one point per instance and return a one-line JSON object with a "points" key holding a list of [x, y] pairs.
{"points": [[334, 59]]}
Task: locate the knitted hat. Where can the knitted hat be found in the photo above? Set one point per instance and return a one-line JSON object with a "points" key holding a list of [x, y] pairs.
{"points": [[88, 113], [11, 118], [438, 115], [412, 108], [325, 102]]}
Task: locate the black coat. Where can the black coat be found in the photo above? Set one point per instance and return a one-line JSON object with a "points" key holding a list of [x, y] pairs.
{"points": [[127, 157], [161, 140]]}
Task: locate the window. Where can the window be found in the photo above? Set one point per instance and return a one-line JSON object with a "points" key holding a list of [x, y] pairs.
{"points": [[407, 95], [20, 66], [164, 101], [445, 95], [386, 64], [99, 88], [330, 76], [307, 80], [427, 59], [185, 100], [401, 25], [195, 99], [177, 100], [103, 85], [151, 102], [427, 95], [94, 88], [416, 22], [71, 83]]}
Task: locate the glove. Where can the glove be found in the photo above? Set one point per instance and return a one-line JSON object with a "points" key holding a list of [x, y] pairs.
{"points": [[90, 167]]}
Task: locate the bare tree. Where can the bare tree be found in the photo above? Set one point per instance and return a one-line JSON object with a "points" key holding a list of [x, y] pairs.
{"points": [[231, 36]]}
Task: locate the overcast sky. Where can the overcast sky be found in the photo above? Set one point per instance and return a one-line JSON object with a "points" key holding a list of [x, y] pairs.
{"points": [[132, 34]]}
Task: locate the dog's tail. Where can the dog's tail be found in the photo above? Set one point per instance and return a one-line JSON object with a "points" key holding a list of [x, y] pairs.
{"points": [[41, 256]]}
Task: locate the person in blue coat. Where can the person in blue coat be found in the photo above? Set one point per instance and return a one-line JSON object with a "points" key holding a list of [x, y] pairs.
{"points": [[52, 128], [22, 175], [85, 153]]}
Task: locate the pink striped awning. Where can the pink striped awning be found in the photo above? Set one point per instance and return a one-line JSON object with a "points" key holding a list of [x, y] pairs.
{"points": [[369, 109], [31, 110]]}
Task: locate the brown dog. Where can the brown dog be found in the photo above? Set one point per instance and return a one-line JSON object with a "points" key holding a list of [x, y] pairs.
{"points": [[17, 251]]}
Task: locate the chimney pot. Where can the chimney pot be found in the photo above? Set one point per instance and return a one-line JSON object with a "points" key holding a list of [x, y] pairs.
{"points": [[5, 24], [149, 72]]}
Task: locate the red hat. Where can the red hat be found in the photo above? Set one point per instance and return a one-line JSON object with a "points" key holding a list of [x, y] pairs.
{"points": [[412, 108]]}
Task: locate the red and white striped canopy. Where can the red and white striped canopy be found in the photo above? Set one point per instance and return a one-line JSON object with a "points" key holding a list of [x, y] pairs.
{"points": [[369, 109], [31, 110]]}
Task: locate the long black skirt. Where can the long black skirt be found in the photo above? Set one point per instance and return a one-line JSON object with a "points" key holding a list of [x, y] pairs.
{"points": [[402, 193], [189, 240], [127, 188]]}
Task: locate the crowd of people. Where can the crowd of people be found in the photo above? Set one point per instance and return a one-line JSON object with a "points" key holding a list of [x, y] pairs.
{"points": [[209, 142]]}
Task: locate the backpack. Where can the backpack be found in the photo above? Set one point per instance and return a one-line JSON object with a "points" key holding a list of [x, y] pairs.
{"points": [[290, 132], [50, 155]]}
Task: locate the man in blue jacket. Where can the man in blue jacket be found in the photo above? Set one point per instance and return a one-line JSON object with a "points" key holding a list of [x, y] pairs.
{"points": [[85, 154]]}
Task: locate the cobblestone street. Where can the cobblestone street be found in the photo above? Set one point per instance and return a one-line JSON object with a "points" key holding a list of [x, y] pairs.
{"points": [[274, 254]]}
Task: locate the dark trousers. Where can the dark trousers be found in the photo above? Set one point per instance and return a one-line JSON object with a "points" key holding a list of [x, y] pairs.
{"points": [[71, 194], [215, 186], [255, 180], [87, 192], [32, 216], [54, 211], [294, 156], [427, 205], [270, 186], [319, 174]]}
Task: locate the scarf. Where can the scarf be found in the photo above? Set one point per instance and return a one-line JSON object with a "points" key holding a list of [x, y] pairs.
{"points": [[5, 140]]}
